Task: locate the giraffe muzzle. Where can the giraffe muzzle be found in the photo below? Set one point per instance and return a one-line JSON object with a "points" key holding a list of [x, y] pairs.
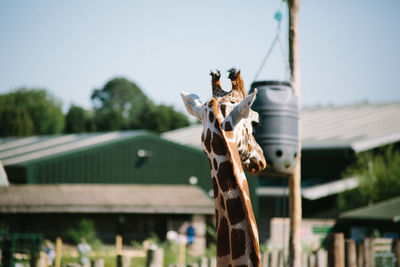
{"points": [[255, 165]]}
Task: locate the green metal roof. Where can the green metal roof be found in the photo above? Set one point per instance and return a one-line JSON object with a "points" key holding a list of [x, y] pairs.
{"points": [[124, 157], [388, 210], [17, 151]]}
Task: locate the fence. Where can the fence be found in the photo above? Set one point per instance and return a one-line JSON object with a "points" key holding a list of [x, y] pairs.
{"points": [[340, 252], [19, 248], [372, 252]]}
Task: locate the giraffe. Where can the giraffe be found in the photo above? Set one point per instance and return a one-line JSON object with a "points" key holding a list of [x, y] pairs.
{"points": [[227, 140]]}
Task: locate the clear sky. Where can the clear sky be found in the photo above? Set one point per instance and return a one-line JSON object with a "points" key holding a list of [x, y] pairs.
{"points": [[349, 49]]}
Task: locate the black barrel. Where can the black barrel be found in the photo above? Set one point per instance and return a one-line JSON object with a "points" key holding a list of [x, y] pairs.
{"points": [[278, 133]]}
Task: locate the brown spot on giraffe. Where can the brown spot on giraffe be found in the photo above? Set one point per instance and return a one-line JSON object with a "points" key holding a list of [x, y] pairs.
{"points": [[226, 178], [211, 117], [223, 238], [207, 141], [238, 243], [222, 203], [218, 145], [216, 124], [235, 209], [228, 126], [215, 164], [223, 110], [215, 187], [249, 148]]}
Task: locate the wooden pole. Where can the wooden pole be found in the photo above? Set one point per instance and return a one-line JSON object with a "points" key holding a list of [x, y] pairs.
{"points": [[181, 254], [118, 249], [398, 253], [368, 252], [336, 250], [58, 252], [294, 179], [351, 254]]}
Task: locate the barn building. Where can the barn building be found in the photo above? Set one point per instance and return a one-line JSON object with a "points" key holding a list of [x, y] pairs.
{"points": [[131, 183]]}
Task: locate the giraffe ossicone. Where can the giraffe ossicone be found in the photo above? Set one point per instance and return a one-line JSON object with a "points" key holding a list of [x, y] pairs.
{"points": [[227, 139]]}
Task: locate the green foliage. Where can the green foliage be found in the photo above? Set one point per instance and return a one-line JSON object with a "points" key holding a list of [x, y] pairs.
{"points": [[78, 120], [379, 175], [167, 118], [30, 111], [15, 122], [118, 105], [85, 229], [121, 105]]}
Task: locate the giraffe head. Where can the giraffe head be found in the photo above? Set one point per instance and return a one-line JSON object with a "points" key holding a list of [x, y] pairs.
{"points": [[230, 113]]}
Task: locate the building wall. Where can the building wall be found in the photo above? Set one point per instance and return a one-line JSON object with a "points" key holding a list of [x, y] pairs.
{"points": [[119, 162]]}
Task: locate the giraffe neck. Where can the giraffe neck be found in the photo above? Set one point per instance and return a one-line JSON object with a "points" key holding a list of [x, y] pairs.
{"points": [[237, 234]]}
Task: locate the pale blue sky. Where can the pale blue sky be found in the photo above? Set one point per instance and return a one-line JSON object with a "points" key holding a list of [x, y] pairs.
{"points": [[349, 48]]}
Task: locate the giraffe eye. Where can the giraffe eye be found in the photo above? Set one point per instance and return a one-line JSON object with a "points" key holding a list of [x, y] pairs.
{"points": [[254, 124]]}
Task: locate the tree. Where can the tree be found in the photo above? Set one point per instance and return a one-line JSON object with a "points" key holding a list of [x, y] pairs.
{"points": [[15, 122], [379, 174], [78, 120], [84, 229], [30, 111], [167, 118], [118, 105], [121, 105]]}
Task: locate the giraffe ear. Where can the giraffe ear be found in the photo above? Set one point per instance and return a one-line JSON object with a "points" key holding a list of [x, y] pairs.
{"points": [[193, 105], [243, 109]]}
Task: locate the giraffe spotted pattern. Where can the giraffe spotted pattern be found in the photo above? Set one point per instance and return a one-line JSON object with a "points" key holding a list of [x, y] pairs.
{"points": [[228, 143]]}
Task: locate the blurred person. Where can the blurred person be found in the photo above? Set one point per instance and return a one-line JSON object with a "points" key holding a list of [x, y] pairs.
{"points": [[84, 250]]}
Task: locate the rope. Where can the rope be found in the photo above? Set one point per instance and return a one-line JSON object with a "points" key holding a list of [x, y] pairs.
{"points": [[268, 53], [277, 38], [285, 57]]}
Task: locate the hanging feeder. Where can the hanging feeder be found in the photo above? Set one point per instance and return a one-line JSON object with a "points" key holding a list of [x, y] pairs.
{"points": [[277, 133]]}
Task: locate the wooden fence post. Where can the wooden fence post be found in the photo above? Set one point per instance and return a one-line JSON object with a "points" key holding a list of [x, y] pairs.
{"points": [[118, 250], [274, 258], [312, 260], [368, 252], [336, 250], [181, 254], [155, 257], [204, 262], [213, 262], [360, 255], [57, 262], [398, 253], [351, 255], [321, 258], [304, 259], [282, 258]]}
